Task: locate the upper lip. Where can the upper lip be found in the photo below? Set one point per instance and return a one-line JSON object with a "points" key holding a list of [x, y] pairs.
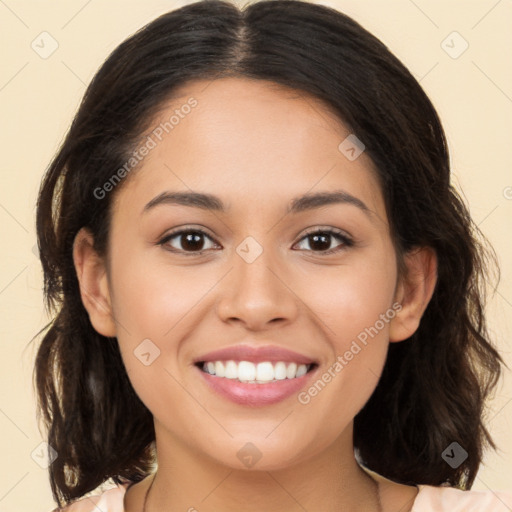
{"points": [[271, 353]]}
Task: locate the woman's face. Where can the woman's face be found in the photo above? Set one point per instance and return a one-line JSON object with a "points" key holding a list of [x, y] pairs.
{"points": [[260, 281]]}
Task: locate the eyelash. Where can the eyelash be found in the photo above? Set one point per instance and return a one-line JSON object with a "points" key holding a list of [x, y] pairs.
{"points": [[346, 241]]}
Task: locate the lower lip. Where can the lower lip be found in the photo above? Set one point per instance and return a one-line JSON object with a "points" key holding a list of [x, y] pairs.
{"points": [[256, 395]]}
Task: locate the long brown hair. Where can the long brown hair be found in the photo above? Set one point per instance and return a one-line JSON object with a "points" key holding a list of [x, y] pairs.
{"points": [[434, 386]]}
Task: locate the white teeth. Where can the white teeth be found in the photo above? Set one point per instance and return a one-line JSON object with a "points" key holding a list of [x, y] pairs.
{"points": [[301, 370], [219, 369], [264, 372], [260, 373], [231, 370], [280, 371], [291, 371], [246, 371]]}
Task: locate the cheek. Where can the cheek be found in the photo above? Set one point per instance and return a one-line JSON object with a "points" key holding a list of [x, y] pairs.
{"points": [[151, 297], [348, 299], [158, 306], [355, 306]]}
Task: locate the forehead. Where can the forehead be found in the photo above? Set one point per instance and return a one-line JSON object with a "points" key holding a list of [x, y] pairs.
{"points": [[252, 139]]}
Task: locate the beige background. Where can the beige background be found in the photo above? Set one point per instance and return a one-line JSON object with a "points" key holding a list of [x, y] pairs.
{"points": [[38, 97]]}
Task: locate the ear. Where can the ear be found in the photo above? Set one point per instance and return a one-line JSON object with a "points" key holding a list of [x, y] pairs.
{"points": [[414, 292], [94, 289]]}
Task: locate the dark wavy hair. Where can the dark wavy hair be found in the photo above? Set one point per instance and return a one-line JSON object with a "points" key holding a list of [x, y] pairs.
{"points": [[434, 386]]}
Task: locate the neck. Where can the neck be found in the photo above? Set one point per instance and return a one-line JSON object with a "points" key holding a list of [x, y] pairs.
{"points": [[330, 481]]}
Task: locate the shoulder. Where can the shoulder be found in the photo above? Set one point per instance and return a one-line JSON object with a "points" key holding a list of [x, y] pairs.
{"points": [[450, 499], [110, 500]]}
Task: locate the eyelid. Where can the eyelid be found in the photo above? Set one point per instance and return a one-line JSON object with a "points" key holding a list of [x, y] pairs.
{"points": [[326, 229]]}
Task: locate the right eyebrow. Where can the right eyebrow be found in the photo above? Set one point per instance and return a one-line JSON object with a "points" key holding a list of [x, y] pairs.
{"points": [[193, 199]]}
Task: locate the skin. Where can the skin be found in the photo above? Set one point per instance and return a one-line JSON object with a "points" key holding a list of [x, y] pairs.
{"points": [[256, 146]]}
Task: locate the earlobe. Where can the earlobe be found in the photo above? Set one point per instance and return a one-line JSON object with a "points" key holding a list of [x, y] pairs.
{"points": [[414, 292], [92, 278]]}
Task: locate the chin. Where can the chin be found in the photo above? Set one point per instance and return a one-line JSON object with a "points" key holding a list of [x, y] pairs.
{"points": [[258, 453]]}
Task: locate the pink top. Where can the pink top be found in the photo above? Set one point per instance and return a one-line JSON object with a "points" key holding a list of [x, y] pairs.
{"points": [[428, 499]]}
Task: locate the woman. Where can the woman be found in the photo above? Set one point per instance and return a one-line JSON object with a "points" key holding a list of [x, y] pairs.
{"points": [[267, 292]]}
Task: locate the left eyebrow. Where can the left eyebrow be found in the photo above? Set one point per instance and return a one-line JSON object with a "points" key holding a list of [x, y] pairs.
{"points": [[298, 204], [319, 199]]}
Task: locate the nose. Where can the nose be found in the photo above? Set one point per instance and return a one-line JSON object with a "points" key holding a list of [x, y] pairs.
{"points": [[257, 294]]}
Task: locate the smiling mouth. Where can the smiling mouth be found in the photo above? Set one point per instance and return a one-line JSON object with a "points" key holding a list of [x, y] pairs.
{"points": [[248, 372]]}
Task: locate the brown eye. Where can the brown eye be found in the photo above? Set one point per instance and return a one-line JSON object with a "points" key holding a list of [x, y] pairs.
{"points": [[188, 241], [320, 241]]}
